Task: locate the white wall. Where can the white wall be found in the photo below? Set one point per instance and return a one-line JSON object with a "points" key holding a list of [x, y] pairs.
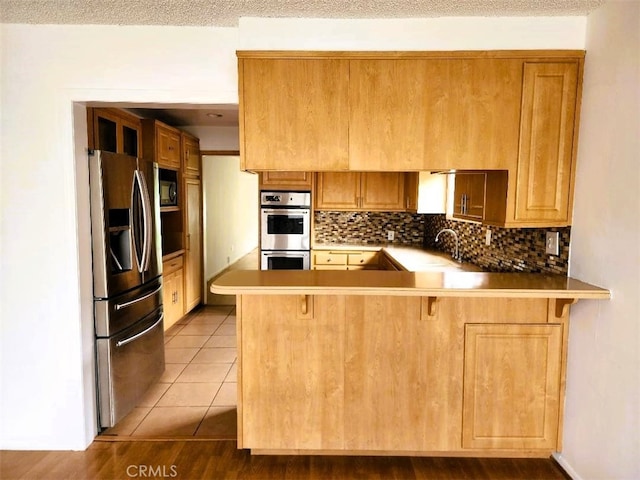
{"points": [[602, 419], [231, 216], [46, 362], [46, 395], [216, 138], [445, 33]]}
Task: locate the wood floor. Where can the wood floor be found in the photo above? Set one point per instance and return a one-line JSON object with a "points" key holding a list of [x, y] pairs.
{"points": [[217, 460]]}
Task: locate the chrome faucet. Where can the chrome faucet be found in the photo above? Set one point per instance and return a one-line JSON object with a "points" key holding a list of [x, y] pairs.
{"points": [[456, 253]]}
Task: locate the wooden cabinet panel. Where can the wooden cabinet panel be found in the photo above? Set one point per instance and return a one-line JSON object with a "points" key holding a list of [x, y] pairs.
{"points": [[167, 147], [285, 180], [114, 130], [294, 112], [545, 161], [364, 259], [338, 191], [345, 260], [411, 190], [429, 114], [469, 196], [162, 144], [385, 374], [512, 386], [366, 191], [173, 290], [321, 258], [382, 191], [191, 151], [292, 372], [480, 376], [193, 254]]}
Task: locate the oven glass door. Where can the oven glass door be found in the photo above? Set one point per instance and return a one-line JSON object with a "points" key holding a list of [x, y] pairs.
{"points": [[285, 261], [285, 229]]}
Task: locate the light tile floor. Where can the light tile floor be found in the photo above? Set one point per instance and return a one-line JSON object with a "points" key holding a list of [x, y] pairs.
{"points": [[196, 395]]}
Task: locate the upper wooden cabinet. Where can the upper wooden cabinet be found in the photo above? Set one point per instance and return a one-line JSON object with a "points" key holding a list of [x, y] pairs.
{"points": [[191, 152], [162, 143], [411, 190], [277, 180], [469, 195], [539, 188], [368, 191], [545, 157], [294, 114], [114, 130], [512, 112], [433, 113]]}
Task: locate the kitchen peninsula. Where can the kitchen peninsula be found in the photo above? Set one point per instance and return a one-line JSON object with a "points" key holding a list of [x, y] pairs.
{"points": [[370, 362]]}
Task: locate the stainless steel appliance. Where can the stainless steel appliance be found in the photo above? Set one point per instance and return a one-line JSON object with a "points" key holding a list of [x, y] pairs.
{"points": [[284, 260], [127, 282], [168, 193], [285, 229]]}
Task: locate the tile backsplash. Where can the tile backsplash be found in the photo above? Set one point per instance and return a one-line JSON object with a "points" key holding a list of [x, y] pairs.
{"points": [[511, 249], [368, 227]]}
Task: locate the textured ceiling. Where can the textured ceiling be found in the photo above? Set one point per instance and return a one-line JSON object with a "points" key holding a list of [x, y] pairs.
{"points": [[226, 12]]}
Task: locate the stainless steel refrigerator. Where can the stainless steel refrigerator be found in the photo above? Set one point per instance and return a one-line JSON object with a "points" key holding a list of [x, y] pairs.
{"points": [[127, 280]]}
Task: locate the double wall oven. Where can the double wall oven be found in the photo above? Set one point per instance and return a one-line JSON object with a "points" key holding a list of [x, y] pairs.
{"points": [[285, 229]]}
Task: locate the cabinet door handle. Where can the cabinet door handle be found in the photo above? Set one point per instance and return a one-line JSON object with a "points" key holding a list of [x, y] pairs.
{"points": [[188, 241]]}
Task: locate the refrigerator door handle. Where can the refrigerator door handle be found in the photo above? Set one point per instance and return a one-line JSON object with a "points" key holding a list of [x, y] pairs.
{"points": [[120, 306], [136, 203], [122, 343], [148, 220], [140, 187]]}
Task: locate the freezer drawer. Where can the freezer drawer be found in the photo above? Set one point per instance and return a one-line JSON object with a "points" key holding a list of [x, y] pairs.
{"points": [[128, 364], [116, 314]]}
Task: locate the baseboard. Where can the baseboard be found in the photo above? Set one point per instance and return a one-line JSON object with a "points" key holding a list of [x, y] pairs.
{"points": [[557, 456]]}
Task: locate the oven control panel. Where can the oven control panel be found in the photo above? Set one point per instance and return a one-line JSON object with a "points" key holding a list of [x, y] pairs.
{"points": [[285, 199]]}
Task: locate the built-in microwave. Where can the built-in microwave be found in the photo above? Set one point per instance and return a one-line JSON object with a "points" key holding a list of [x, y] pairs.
{"points": [[168, 193]]}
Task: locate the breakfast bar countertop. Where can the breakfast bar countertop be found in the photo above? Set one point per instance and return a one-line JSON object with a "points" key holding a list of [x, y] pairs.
{"points": [[380, 282]]}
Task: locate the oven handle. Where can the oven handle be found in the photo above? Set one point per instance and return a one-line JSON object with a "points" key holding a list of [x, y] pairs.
{"points": [[285, 211]]}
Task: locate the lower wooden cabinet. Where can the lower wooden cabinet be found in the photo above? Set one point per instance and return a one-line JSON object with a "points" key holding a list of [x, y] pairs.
{"points": [[173, 290], [512, 386], [400, 374], [345, 260], [292, 377], [386, 375]]}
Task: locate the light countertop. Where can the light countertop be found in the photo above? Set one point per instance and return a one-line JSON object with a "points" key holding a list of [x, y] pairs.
{"points": [[381, 282]]}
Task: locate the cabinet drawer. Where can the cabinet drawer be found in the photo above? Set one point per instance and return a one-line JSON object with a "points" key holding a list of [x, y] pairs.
{"points": [[329, 258], [363, 258], [172, 265]]}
